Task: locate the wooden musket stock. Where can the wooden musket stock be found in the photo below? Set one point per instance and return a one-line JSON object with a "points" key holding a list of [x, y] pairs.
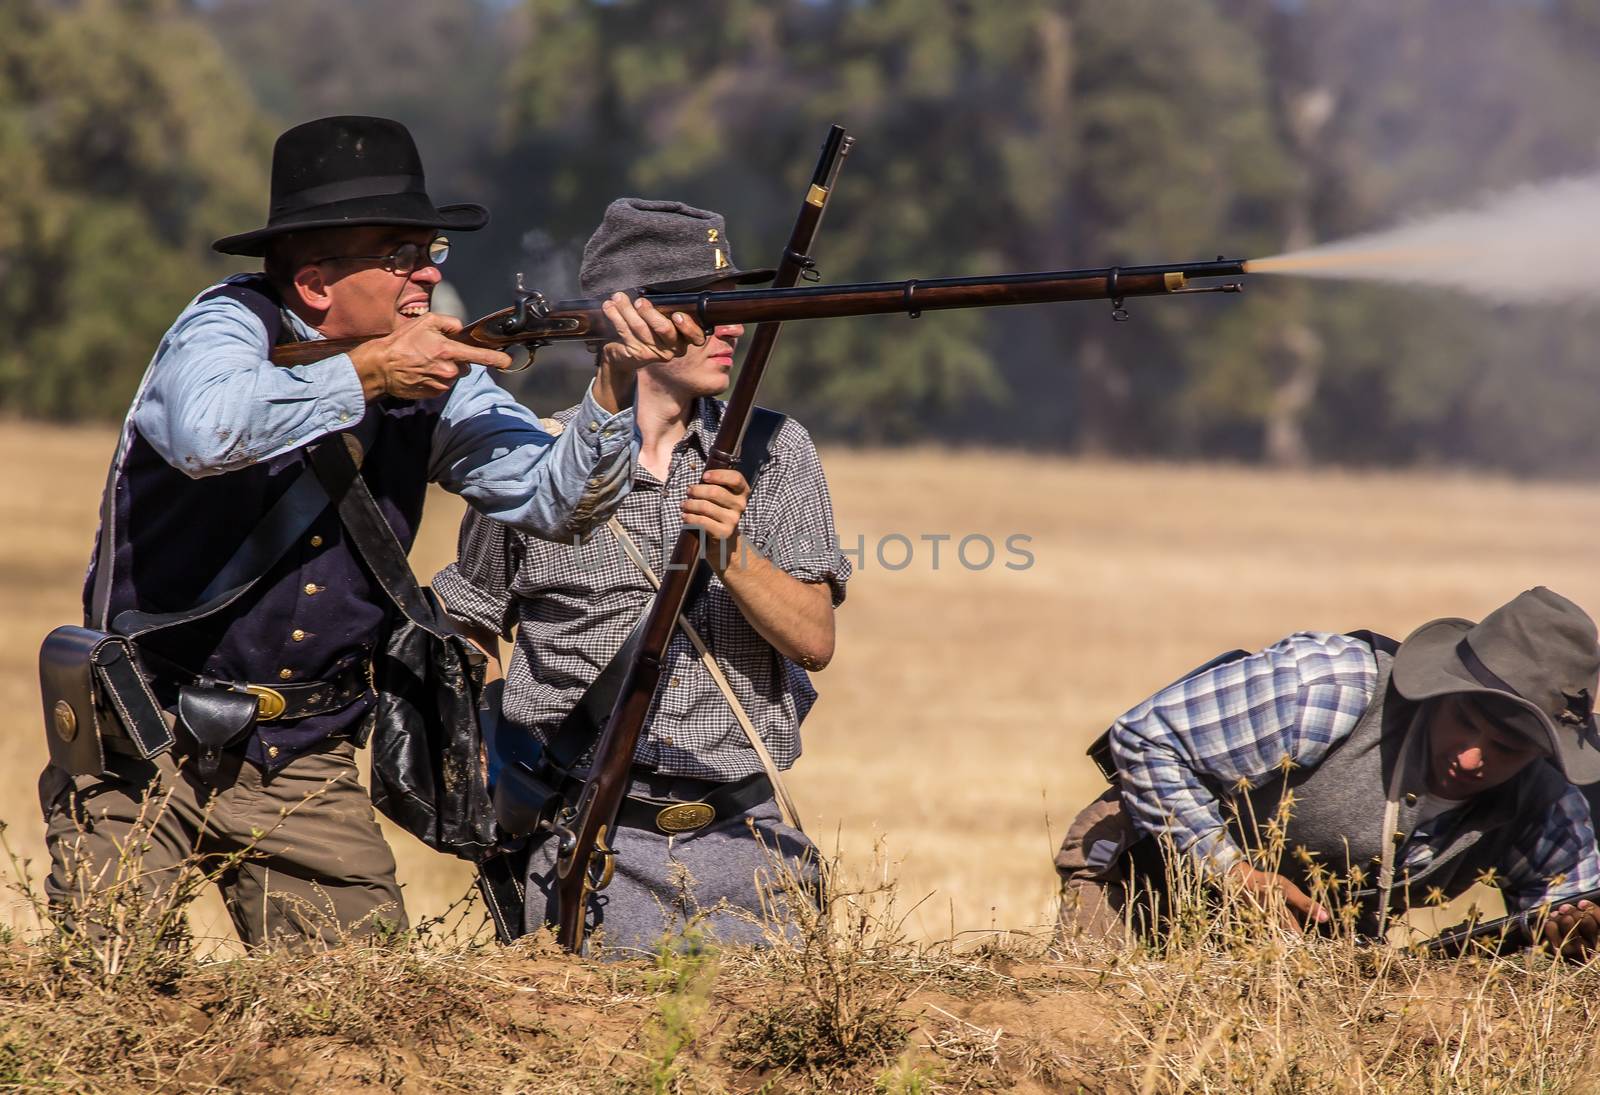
{"points": [[532, 323]]}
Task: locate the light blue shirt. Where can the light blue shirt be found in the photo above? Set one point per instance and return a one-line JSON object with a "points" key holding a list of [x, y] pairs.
{"points": [[211, 402]]}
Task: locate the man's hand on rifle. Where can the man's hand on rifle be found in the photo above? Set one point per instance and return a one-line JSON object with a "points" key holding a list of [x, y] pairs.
{"points": [[644, 336], [1572, 931], [714, 506], [1270, 890], [418, 359]]}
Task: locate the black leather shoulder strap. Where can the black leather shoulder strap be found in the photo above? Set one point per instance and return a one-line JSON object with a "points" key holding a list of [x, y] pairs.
{"points": [[1376, 640], [290, 516], [374, 538], [581, 727]]}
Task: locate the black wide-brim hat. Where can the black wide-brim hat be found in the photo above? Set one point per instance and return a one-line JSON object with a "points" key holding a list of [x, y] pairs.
{"points": [[348, 172], [1538, 653]]}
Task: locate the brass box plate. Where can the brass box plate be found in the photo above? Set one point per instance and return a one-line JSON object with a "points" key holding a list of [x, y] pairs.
{"points": [[685, 817]]}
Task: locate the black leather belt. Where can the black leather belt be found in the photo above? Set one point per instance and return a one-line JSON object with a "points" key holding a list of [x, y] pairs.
{"points": [[299, 701], [275, 702], [671, 815]]}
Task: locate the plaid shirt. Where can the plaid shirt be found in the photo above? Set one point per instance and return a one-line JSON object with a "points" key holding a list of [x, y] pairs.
{"points": [[573, 606], [1299, 698]]}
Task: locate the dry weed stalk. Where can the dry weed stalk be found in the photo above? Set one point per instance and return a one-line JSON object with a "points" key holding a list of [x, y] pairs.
{"points": [[124, 925], [830, 1000]]}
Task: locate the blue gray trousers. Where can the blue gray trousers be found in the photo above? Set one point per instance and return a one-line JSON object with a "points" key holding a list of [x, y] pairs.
{"points": [[722, 880]]}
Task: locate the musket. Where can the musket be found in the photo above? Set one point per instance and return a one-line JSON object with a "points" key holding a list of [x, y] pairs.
{"points": [[586, 857], [1503, 933], [532, 322]]}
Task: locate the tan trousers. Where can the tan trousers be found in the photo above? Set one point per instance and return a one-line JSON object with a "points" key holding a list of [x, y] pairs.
{"points": [[314, 864], [1106, 888]]}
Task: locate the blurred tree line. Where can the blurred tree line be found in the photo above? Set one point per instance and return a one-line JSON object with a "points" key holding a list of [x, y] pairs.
{"points": [[992, 137]]}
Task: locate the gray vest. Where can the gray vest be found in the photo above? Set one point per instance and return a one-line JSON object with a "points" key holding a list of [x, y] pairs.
{"points": [[1336, 814]]}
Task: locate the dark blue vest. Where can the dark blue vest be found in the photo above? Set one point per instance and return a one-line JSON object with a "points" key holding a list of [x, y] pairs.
{"points": [[313, 614]]}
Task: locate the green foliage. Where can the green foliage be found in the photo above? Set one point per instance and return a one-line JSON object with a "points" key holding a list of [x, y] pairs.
{"points": [[993, 137], [130, 146], [686, 969]]}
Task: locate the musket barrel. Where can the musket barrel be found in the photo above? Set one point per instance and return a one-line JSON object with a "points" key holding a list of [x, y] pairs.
{"points": [[584, 320], [932, 294]]}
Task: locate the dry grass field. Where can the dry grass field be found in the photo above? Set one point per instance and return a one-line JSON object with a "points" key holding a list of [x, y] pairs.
{"points": [[946, 752], [952, 723]]}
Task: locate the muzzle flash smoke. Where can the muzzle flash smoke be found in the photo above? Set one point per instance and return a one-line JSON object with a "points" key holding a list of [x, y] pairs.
{"points": [[1534, 244]]}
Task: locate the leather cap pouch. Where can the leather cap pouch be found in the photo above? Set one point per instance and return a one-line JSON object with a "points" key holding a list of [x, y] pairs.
{"points": [[216, 717]]}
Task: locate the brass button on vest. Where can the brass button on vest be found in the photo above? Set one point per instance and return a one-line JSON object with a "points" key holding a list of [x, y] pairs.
{"points": [[297, 635], [285, 674]]}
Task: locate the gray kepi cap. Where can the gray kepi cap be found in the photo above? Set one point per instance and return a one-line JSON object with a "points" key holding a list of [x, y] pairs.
{"points": [[1536, 655], [667, 247]]}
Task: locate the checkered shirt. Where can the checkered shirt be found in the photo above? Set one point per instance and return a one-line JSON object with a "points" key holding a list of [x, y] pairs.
{"points": [[1299, 698], [573, 605]]}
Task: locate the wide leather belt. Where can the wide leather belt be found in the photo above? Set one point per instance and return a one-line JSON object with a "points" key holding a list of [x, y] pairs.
{"points": [[724, 801], [298, 701]]}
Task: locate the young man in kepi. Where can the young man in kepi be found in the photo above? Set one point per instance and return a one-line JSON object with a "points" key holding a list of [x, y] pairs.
{"points": [[766, 615], [216, 437], [1415, 769]]}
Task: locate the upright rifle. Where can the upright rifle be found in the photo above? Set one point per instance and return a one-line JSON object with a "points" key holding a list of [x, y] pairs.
{"points": [[586, 856], [532, 322]]}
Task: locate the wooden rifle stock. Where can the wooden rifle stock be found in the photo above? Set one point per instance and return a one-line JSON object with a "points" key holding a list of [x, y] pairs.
{"points": [[532, 323], [586, 856]]}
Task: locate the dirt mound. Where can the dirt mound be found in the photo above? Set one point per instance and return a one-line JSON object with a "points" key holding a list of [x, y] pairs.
{"points": [[1280, 1015]]}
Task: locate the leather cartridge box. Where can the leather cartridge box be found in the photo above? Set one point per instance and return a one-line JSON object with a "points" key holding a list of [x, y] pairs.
{"points": [[93, 690]]}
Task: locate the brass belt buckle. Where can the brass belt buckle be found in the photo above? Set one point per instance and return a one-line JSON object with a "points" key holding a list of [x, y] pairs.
{"points": [[685, 817], [270, 703]]}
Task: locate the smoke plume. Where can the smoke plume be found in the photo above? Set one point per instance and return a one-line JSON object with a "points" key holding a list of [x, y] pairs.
{"points": [[1536, 244]]}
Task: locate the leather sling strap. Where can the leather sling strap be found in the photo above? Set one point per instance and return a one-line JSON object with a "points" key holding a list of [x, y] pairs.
{"points": [[779, 790], [1392, 835], [337, 467], [581, 727]]}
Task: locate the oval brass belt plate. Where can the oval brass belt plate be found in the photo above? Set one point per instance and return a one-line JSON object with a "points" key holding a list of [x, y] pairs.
{"points": [[269, 701], [684, 817], [66, 721]]}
